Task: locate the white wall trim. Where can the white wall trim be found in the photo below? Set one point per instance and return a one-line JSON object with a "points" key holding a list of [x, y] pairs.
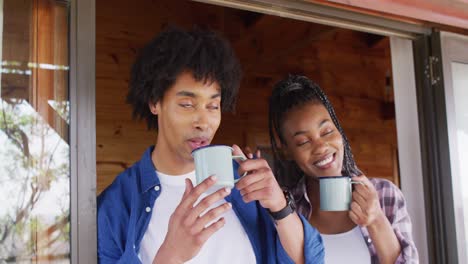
{"points": [[409, 147]]}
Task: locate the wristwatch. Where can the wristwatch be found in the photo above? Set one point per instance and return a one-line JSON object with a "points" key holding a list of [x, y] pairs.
{"points": [[287, 210]]}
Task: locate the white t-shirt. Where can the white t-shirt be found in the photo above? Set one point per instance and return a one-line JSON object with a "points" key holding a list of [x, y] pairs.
{"points": [[230, 244], [348, 247]]}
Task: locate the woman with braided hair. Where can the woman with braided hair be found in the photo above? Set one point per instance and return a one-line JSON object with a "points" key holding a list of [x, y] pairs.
{"points": [[308, 142]]}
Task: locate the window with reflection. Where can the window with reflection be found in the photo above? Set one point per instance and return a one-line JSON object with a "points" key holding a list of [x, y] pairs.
{"points": [[34, 132]]}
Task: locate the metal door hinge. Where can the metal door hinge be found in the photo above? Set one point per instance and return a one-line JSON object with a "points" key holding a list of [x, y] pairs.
{"points": [[430, 72]]}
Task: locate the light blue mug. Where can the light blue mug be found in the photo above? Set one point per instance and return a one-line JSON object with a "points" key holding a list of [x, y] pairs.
{"points": [[215, 160], [335, 193]]}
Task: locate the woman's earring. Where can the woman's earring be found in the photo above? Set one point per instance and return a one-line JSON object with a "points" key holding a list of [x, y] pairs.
{"points": [[153, 110]]}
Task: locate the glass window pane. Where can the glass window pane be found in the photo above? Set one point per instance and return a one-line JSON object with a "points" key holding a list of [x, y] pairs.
{"points": [[34, 132], [460, 92]]}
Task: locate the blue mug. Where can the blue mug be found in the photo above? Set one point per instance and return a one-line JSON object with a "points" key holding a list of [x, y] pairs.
{"points": [[336, 193]]}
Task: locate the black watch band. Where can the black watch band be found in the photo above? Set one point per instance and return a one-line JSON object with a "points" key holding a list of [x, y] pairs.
{"points": [[287, 210]]}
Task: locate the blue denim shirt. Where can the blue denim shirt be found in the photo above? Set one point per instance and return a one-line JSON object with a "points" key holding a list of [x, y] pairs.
{"points": [[123, 220]]}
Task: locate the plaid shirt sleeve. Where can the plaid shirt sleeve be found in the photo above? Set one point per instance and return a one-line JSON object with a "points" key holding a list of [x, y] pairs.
{"points": [[393, 204]]}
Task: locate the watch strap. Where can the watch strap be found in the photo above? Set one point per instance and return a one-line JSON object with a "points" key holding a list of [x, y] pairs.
{"points": [[287, 210]]}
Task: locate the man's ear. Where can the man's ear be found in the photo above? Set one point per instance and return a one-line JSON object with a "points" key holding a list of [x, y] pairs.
{"points": [[155, 108]]}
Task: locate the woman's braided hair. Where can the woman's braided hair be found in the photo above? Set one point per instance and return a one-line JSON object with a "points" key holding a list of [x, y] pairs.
{"points": [[289, 93]]}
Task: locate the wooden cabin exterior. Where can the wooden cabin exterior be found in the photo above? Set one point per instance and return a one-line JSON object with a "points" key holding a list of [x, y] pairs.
{"points": [[390, 68]]}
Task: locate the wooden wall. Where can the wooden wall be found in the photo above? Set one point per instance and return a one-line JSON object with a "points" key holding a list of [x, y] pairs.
{"points": [[352, 67]]}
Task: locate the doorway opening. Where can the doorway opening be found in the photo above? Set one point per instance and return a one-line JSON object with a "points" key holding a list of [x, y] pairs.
{"points": [[353, 68]]}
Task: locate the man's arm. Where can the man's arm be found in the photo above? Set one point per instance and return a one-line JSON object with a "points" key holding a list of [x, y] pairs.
{"points": [[291, 234], [260, 185], [108, 250]]}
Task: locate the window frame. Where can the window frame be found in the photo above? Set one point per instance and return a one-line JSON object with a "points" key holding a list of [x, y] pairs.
{"points": [[454, 47], [83, 210]]}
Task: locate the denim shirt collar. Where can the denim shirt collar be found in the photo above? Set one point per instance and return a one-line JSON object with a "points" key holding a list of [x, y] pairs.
{"points": [[148, 176]]}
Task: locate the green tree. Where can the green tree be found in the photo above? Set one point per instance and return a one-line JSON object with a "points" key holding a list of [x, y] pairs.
{"points": [[33, 158]]}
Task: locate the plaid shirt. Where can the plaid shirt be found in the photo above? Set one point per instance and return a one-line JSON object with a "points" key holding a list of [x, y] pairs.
{"points": [[392, 203]]}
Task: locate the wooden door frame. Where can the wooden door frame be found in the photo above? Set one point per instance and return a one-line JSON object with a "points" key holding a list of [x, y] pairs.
{"points": [[83, 93]]}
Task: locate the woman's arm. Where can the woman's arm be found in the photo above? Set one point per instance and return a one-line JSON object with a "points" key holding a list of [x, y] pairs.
{"points": [[393, 205], [384, 239], [366, 211]]}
